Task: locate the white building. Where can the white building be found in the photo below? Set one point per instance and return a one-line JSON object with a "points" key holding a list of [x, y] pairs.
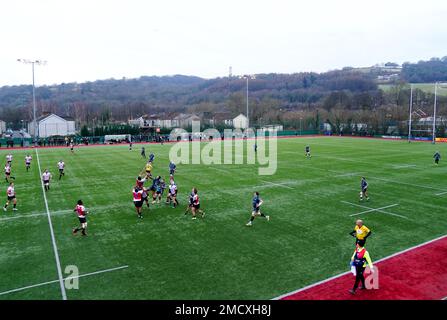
{"points": [[2, 127], [240, 122], [52, 125]]}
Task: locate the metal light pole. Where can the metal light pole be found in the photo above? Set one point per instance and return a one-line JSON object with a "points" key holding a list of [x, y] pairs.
{"points": [[34, 62], [247, 77], [411, 112], [434, 113], [301, 126]]}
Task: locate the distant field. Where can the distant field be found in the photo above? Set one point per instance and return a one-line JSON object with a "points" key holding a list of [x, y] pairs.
{"points": [[313, 205], [426, 87]]}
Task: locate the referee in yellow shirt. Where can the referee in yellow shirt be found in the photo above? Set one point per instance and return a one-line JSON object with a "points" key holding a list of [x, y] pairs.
{"points": [[360, 232]]}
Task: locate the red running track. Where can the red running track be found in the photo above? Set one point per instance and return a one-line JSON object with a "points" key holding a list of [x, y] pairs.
{"points": [[419, 273]]}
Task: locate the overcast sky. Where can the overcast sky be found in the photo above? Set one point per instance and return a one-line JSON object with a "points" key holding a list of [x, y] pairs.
{"points": [[85, 40]]}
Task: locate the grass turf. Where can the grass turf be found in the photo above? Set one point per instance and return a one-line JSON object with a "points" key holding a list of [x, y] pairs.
{"points": [[169, 256]]}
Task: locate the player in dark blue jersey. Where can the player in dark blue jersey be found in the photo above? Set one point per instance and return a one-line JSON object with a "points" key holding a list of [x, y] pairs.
{"points": [[154, 187], [255, 147], [364, 189], [143, 152], [151, 157], [256, 203], [172, 168], [437, 157], [308, 152]]}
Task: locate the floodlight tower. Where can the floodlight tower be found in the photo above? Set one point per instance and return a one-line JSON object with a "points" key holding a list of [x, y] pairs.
{"points": [[247, 77], [411, 111], [34, 62], [434, 113]]}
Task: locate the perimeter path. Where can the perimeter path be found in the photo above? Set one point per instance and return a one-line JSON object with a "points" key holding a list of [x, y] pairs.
{"points": [[418, 273], [53, 238]]}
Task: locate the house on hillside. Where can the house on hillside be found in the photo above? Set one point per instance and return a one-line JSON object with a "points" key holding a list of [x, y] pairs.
{"points": [[221, 118], [164, 120], [240, 122], [52, 125], [185, 120]]}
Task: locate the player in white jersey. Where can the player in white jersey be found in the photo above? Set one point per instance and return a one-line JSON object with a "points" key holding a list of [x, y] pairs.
{"points": [[28, 159], [9, 159], [46, 177], [8, 173], [61, 167], [11, 194], [172, 195]]}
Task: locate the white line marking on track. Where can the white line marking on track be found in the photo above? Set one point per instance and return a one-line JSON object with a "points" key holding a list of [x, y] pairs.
{"points": [[348, 272], [55, 281], [373, 209], [278, 184], [53, 238]]}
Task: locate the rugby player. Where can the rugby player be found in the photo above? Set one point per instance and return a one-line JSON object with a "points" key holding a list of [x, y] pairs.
{"points": [[9, 159], [11, 196], [8, 173], [82, 216], [143, 152], [172, 168], [256, 202], [364, 189], [195, 205], [138, 200], [151, 157], [159, 189], [308, 152], [154, 187], [46, 177], [437, 157], [144, 196], [61, 167], [172, 195], [28, 159], [148, 169], [140, 182]]}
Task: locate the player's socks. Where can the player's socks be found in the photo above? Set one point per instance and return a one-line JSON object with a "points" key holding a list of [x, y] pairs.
{"points": [[262, 215]]}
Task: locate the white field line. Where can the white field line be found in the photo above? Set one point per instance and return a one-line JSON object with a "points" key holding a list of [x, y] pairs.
{"points": [[347, 174], [53, 238], [95, 209], [441, 193], [55, 281], [23, 216], [219, 169], [278, 184], [404, 166], [378, 209], [408, 184], [348, 272], [372, 210]]}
